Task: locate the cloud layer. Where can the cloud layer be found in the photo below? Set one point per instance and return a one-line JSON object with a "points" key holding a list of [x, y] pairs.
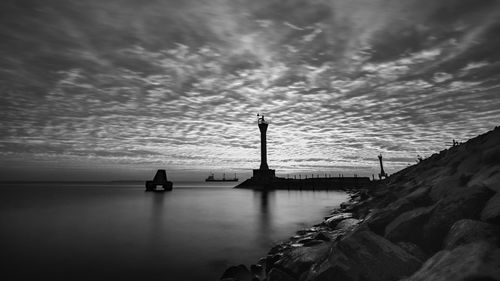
{"points": [[127, 86]]}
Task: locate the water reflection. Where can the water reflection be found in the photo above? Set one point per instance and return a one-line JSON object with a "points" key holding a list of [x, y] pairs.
{"points": [[157, 212], [265, 200]]}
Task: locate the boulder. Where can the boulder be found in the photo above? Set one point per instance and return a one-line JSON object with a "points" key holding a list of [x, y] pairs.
{"points": [[364, 255], [322, 236], [445, 186], [336, 218], [304, 240], [471, 162], [491, 212], [298, 260], [278, 248], [348, 206], [347, 224], [378, 220], [492, 155], [240, 273], [463, 203], [467, 231], [256, 269], [279, 275], [488, 177], [271, 260], [413, 249], [362, 208], [420, 196], [313, 243], [475, 261], [307, 231], [407, 226]]}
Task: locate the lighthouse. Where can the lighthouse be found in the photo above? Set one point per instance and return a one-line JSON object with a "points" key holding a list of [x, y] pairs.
{"points": [[263, 142], [263, 173], [265, 179], [382, 173]]}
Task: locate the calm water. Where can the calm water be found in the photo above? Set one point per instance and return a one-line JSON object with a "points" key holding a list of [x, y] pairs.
{"points": [[119, 232]]}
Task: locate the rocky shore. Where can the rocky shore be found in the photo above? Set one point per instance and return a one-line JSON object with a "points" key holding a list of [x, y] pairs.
{"points": [[436, 220]]}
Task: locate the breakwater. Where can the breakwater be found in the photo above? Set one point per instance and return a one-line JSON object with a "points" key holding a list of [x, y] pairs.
{"points": [[332, 183], [436, 220]]}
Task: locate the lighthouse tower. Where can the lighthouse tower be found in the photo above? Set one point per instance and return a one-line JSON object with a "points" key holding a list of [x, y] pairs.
{"points": [[382, 173], [263, 173], [263, 142]]}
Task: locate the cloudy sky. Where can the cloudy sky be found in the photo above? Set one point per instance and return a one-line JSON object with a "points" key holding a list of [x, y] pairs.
{"points": [[116, 89]]}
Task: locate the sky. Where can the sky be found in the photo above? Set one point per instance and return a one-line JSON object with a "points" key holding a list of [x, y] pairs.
{"points": [[109, 90]]}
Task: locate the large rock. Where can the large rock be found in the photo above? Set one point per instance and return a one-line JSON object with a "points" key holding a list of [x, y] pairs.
{"points": [[256, 269], [333, 220], [475, 261], [420, 196], [413, 249], [300, 259], [471, 162], [279, 275], [463, 203], [378, 220], [271, 260], [240, 273], [491, 212], [407, 226], [446, 186], [488, 177], [467, 231], [366, 256], [347, 224], [323, 236], [492, 155]]}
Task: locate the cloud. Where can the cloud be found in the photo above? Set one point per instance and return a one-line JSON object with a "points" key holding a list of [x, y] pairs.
{"points": [[178, 83], [441, 77]]}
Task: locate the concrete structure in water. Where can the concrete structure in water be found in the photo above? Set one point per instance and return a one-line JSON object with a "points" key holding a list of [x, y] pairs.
{"points": [[159, 179], [265, 178]]}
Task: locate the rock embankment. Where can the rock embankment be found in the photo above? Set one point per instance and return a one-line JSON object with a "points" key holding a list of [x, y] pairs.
{"points": [[437, 220]]}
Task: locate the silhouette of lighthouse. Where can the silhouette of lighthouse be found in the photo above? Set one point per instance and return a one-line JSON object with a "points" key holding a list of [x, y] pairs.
{"points": [[263, 173], [263, 142], [382, 173]]}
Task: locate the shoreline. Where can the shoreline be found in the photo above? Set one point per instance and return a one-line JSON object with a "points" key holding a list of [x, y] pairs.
{"points": [[339, 222], [429, 221]]}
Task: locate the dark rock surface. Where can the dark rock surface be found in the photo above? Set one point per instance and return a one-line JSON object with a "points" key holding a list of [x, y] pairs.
{"points": [[333, 220], [413, 249], [488, 177], [381, 217], [365, 255], [298, 260], [256, 269], [322, 236], [437, 220], [279, 275], [464, 203], [347, 224], [491, 212], [468, 231], [240, 273], [403, 227], [475, 261]]}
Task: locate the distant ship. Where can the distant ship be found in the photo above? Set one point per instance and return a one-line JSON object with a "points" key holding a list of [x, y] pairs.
{"points": [[212, 178]]}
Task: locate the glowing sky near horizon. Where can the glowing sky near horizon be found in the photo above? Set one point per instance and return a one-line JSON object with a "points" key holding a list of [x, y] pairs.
{"points": [[115, 89]]}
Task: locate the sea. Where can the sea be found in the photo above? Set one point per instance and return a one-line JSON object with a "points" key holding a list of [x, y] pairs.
{"points": [[116, 231]]}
